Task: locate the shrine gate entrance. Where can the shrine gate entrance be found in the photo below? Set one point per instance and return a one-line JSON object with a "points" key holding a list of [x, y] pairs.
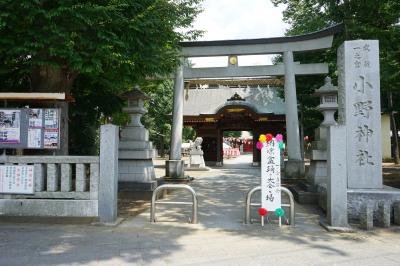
{"points": [[286, 46]]}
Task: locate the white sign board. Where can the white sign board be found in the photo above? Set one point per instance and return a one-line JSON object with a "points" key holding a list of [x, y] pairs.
{"points": [[16, 179], [271, 176]]}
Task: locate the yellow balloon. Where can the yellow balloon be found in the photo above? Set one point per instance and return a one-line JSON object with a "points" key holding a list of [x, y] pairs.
{"points": [[262, 138]]}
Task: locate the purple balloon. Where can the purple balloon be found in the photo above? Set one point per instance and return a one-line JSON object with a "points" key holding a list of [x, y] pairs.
{"points": [[259, 145], [279, 137]]}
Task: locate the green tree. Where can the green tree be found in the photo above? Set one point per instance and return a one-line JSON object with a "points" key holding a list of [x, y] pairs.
{"points": [[91, 49], [362, 19], [232, 134], [159, 119]]}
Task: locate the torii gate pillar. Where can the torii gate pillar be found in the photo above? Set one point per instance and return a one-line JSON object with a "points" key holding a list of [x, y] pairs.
{"points": [[175, 164], [294, 167]]}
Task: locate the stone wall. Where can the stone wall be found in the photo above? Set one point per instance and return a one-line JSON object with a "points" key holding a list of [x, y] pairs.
{"points": [[69, 186]]}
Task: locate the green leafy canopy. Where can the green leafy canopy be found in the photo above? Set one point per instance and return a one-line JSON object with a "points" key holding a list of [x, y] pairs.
{"points": [[122, 41], [362, 19]]}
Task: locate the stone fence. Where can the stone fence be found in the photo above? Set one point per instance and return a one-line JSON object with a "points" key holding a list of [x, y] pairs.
{"points": [[70, 186]]}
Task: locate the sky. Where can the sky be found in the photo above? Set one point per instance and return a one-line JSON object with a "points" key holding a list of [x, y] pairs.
{"points": [[239, 19]]}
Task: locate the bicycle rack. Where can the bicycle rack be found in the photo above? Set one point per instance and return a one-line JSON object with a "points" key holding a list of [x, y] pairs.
{"points": [[154, 200], [249, 204]]}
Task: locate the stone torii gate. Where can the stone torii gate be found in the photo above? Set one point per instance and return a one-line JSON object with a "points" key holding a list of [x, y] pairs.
{"points": [[233, 48]]}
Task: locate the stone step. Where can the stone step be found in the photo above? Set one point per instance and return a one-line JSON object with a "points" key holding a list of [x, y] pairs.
{"points": [[321, 133], [137, 154], [126, 187], [135, 145], [319, 155], [318, 145], [305, 186], [302, 196], [134, 134]]}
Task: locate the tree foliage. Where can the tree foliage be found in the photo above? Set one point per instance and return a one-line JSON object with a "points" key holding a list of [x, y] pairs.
{"points": [[116, 42], [159, 117], [362, 19], [94, 50]]}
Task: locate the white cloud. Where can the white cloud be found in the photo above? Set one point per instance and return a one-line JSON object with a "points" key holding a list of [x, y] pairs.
{"points": [[240, 19]]}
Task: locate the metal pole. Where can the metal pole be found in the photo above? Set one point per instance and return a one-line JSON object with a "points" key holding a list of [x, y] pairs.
{"points": [[248, 203], [291, 200], [153, 204], [173, 186], [258, 188], [194, 207]]}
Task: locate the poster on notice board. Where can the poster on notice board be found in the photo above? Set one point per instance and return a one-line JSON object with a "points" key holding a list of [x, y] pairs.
{"points": [[51, 129], [10, 121]]}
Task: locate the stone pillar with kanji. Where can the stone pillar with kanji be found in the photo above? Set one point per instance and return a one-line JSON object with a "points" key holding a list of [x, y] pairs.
{"points": [[360, 111]]}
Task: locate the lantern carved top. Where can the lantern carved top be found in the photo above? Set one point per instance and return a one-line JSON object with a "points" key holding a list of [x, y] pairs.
{"points": [[328, 101], [327, 88], [135, 107], [135, 94]]}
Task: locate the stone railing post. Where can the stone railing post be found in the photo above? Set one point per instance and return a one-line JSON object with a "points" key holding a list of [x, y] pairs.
{"points": [[337, 177], [108, 184]]}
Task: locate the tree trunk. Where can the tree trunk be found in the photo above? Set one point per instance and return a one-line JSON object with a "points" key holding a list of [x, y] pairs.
{"points": [[162, 149], [301, 132], [63, 134], [395, 140], [52, 79]]}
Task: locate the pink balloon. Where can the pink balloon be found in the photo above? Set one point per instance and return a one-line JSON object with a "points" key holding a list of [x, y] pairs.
{"points": [[259, 145], [279, 137]]}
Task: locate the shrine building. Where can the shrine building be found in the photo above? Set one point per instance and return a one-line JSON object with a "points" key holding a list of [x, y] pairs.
{"points": [[238, 105]]}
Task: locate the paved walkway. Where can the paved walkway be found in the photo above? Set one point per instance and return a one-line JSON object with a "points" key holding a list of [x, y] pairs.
{"points": [[220, 238]]}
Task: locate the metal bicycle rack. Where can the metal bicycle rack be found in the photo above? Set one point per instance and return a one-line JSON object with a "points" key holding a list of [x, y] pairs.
{"points": [[249, 204], [154, 200]]}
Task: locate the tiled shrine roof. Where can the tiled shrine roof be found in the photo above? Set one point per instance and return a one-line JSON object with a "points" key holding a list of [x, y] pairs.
{"points": [[263, 100]]}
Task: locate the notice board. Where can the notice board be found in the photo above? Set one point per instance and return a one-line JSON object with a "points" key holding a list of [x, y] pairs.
{"points": [[30, 128]]}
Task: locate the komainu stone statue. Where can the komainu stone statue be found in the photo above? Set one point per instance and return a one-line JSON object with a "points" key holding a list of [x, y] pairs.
{"points": [[196, 154]]}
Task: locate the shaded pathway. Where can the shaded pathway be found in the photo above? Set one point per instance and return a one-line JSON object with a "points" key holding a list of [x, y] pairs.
{"points": [[220, 238]]}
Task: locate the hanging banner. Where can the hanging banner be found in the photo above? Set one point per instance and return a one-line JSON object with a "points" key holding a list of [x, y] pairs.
{"points": [[270, 175], [10, 122], [16, 179]]}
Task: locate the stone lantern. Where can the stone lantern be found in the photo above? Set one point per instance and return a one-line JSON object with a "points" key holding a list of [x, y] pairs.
{"points": [[135, 107], [136, 153], [328, 101], [317, 173]]}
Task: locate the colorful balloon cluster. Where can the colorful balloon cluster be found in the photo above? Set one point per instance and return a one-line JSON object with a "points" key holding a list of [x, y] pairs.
{"points": [[267, 138], [279, 212]]}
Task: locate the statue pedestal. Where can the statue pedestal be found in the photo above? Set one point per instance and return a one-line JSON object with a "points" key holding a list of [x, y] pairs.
{"points": [[196, 159]]}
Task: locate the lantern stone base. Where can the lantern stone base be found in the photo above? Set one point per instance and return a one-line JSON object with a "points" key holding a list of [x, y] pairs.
{"points": [[318, 171], [294, 169], [356, 198], [136, 169]]}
